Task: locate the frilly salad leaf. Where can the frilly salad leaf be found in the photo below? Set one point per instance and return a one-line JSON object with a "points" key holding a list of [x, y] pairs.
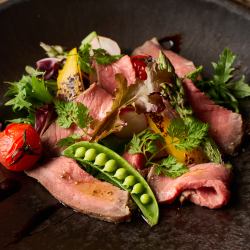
{"points": [[28, 93], [112, 123]]}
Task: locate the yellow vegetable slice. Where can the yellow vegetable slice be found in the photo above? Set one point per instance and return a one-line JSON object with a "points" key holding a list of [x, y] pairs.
{"points": [[69, 81], [159, 124]]}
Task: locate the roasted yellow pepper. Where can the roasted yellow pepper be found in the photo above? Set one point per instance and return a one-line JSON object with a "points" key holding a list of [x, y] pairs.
{"points": [[159, 124], [69, 81]]}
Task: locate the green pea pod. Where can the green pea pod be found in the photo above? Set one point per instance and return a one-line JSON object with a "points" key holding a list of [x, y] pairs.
{"points": [[149, 206]]}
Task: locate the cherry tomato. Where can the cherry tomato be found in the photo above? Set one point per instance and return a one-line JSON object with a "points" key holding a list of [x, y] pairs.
{"points": [[20, 147], [139, 63]]}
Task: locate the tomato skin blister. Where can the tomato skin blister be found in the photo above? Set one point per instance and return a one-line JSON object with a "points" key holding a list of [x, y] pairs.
{"points": [[20, 147]]}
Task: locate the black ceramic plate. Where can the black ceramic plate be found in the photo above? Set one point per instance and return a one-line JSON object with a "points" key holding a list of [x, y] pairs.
{"points": [[206, 28]]}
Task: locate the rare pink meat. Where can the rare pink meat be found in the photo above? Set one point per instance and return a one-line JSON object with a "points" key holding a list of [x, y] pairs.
{"points": [[205, 185], [72, 186], [106, 73], [53, 134], [225, 126], [136, 160], [99, 102]]}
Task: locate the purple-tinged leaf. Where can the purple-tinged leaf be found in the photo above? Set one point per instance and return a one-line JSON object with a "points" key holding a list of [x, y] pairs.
{"points": [[43, 117], [50, 66]]}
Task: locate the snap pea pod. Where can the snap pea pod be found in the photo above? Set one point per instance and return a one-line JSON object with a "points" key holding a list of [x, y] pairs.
{"points": [[119, 172]]}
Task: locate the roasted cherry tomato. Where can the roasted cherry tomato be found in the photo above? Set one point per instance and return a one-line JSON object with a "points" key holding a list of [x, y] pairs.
{"points": [[139, 63], [20, 147]]}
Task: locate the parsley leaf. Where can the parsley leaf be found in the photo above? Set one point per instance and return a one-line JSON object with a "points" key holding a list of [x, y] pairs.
{"points": [[85, 58], [223, 69], [188, 133], [239, 88], [101, 56], [171, 168], [222, 88], [72, 112], [65, 142], [144, 142]]}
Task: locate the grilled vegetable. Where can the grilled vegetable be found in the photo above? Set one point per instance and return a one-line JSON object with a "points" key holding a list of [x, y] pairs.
{"points": [[69, 80], [20, 147], [159, 124]]}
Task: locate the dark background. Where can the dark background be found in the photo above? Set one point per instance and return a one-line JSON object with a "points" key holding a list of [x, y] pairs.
{"points": [[206, 28]]}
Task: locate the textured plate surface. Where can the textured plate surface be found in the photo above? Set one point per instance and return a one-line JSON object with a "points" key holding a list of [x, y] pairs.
{"points": [[206, 28]]}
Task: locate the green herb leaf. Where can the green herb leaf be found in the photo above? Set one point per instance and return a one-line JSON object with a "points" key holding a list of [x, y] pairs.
{"points": [[223, 69], [171, 168], [29, 93], [222, 89], [188, 133], [144, 142], [85, 58], [65, 142], [72, 113], [39, 90], [103, 57], [20, 90], [54, 50], [240, 88]]}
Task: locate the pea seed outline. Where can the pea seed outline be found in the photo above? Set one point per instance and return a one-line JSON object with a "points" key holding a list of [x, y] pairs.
{"points": [[150, 210]]}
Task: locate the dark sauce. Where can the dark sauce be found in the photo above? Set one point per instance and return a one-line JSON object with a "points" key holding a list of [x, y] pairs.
{"points": [[171, 42], [8, 187]]}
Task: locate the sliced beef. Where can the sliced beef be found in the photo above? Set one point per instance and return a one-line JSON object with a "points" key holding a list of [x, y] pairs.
{"points": [[106, 73], [72, 186], [53, 134], [99, 102], [136, 160], [152, 47], [225, 126], [205, 185]]}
